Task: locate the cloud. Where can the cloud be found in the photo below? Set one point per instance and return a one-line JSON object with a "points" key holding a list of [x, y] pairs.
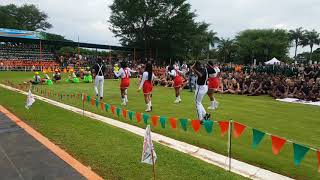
{"points": [[88, 19]]}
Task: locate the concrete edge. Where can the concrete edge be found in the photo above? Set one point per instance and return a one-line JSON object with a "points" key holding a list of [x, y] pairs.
{"points": [[238, 167]]}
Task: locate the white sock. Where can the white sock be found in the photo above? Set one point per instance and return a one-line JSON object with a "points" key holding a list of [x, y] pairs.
{"points": [[123, 100], [213, 103], [126, 98], [150, 104], [179, 98]]}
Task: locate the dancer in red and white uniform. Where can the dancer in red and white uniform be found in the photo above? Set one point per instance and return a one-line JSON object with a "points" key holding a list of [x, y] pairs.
{"points": [[124, 73], [175, 73], [213, 84], [146, 85]]}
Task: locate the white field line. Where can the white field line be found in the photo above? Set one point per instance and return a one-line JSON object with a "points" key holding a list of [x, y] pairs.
{"points": [[237, 167]]}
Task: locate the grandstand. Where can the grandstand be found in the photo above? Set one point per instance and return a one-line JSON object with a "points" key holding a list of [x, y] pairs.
{"points": [[30, 51]]}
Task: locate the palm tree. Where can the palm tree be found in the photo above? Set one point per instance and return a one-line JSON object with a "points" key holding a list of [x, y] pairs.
{"points": [[226, 48], [212, 39], [311, 38], [297, 36]]}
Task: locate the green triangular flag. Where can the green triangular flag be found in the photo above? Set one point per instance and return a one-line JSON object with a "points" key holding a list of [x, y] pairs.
{"points": [[107, 107], [88, 98], [130, 113], [163, 121], [257, 137], [299, 153], [97, 102], [118, 111], [208, 126], [145, 118], [183, 123]]}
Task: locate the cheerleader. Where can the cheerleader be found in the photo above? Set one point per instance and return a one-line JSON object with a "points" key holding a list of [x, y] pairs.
{"points": [[125, 74], [177, 81], [201, 89], [213, 84], [146, 84]]}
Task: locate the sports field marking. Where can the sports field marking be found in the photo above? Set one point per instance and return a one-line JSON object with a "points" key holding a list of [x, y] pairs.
{"points": [[82, 169], [237, 167]]}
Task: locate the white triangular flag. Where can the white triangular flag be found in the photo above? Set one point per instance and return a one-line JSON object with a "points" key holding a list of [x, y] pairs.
{"points": [[148, 148], [30, 100]]}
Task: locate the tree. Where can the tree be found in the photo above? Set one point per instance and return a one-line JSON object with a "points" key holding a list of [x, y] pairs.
{"points": [[212, 39], [297, 36], [262, 44], [227, 49], [311, 38], [167, 26], [26, 17]]}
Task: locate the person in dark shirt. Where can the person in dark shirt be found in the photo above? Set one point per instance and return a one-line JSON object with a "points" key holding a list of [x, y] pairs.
{"points": [[202, 74], [98, 72]]}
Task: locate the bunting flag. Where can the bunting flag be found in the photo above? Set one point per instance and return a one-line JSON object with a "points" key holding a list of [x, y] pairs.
{"points": [[238, 129], [124, 113], [173, 123], [118, 110], [107, 107], [138, 117], [195, 125], [163, 121], [154, 120], [318, 154], [113, 109], [277, 144], [130, 114], [208, 126], [92, 101], [102, 106], [299, 152], [79, 95], [88, 98], [183, 123], [224, 127], [257, 137], [84, 97], [97, 102], [145, 118]]}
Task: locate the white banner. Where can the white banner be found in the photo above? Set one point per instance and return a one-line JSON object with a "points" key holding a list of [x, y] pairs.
{"points": [[148, 148], [30, 100]]}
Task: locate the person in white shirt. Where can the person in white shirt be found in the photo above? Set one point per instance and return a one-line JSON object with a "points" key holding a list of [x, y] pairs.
{"points": [[146, 85], [177, 81], [213, 84], [124, 73]]}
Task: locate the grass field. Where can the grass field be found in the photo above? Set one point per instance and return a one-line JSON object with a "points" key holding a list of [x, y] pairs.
{"points": [[299, 123]]}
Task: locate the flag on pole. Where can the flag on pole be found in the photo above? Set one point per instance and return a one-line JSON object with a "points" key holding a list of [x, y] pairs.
{"points": [[30, 100], [148, 152]]}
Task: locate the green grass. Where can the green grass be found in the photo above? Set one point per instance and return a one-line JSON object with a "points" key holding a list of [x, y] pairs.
{"points": [[111, 152], [296, 122]]}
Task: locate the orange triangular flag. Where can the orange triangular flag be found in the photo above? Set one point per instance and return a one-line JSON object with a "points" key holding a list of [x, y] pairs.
{"points": [[173, 123], [224, 126], [124, 113], [92, 101], [195, 125], [102, 106], [277, 144], [113, 109], [154, 120], [238, 129], [318, 153], [138, 116]]}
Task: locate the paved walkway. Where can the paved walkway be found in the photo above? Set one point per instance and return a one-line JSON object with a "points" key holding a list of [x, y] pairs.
{"points": [[23, 157]]}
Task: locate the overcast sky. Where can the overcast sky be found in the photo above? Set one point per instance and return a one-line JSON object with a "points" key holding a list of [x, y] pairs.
{"points": [[88, 18]]}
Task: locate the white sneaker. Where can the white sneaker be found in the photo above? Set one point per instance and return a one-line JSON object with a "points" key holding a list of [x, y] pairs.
{"points": [[211, 108], [176, 101], [123, 104], [148, 110]]}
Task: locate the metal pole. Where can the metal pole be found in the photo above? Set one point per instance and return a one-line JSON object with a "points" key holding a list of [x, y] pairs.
{"points": [[153, 166]]}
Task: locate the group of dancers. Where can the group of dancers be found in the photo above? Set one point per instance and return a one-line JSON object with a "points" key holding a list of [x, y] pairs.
{"points": [[207, 81]]}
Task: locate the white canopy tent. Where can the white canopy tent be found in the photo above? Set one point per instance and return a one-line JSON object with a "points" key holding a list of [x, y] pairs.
{"points": [[273, 61]]}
